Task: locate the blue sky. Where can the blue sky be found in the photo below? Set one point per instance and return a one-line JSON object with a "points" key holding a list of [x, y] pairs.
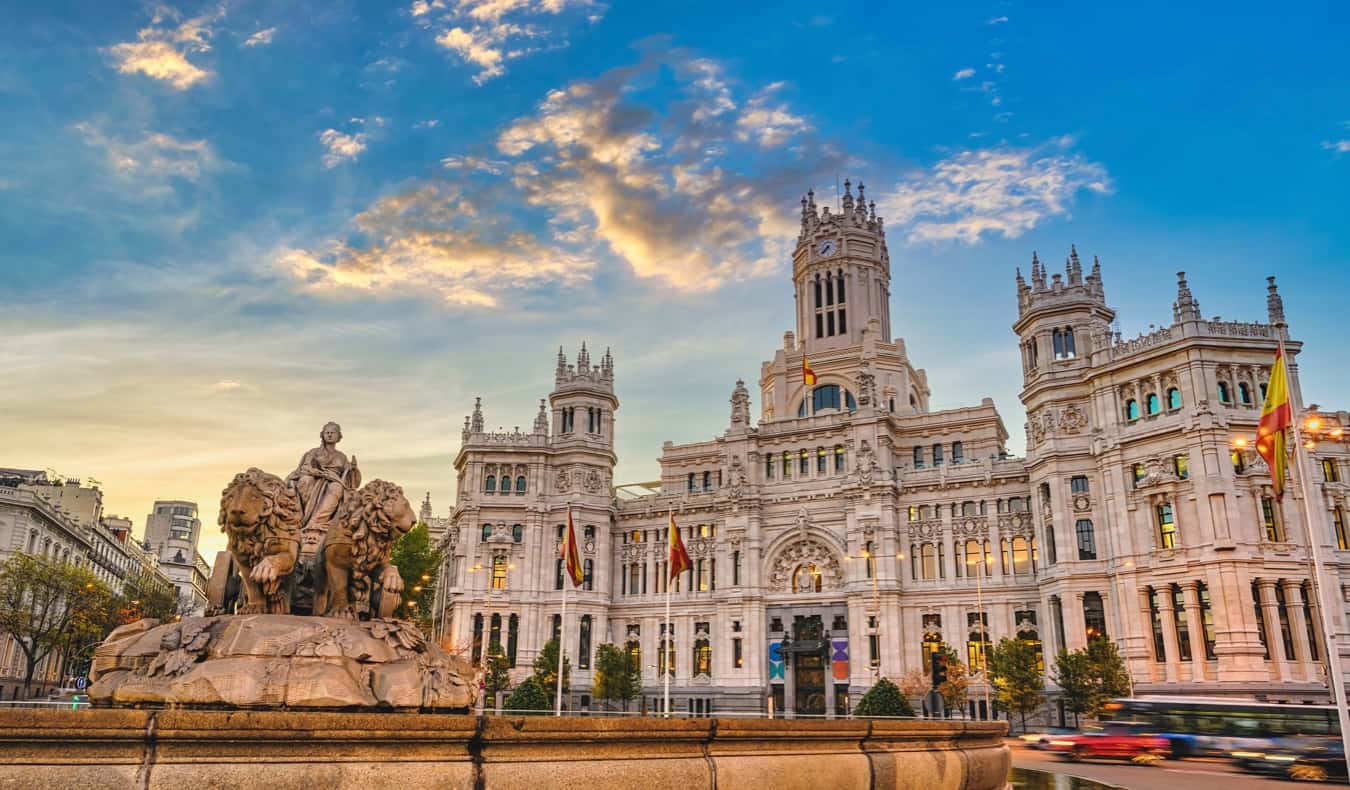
{"points": [[227, 223]]}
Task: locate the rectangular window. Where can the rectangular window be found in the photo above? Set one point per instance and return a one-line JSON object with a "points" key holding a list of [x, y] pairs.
{"points": [[829, 324], [918, 457], [737, 657], [874, 650], [1239, 462], [1330, 472], [736, 568], [707, 481], [1078, 484], [838, 459], [768, 467], [843, 321], [1138, 472], [499, 573], [1270, 519], [1181, 464], [1167, 527], [1338, 523], [937, 455]]}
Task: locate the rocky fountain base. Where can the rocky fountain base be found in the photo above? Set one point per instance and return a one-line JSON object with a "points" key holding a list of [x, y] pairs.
{"points": [[278, 661]]}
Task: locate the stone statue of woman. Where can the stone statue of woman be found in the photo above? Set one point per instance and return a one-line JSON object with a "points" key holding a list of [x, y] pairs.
{"points": [[320, 480]]}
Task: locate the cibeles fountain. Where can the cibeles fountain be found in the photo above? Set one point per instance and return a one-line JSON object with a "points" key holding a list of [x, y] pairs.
{"points": [[300, 611]]}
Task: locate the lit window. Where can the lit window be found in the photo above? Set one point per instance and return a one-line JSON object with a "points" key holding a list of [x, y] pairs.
{"points": [[822, 462], [1181, 464], [787, 464], [1239, 462], [1338, 522], [839, 459], [1167, 527], [499, 573], [805, 462], [1139, 473], [1271, 521], [1330, 472]]}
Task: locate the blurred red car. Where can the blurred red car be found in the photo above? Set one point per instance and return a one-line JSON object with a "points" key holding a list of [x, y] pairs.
{"points": [[1117, 741]]}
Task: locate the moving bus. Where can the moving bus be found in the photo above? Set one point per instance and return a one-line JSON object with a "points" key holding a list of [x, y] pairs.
{"points": [[1200, 726]]}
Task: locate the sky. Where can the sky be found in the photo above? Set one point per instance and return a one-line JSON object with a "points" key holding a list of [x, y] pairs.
{"points": [[224, 224]]}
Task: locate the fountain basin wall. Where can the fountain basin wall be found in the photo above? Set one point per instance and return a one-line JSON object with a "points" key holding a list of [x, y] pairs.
{"points": [[280, 750]]}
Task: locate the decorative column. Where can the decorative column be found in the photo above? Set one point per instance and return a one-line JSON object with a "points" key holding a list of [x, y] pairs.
{"points": [[1293, 603], [1169, 629], [1275, 644], [1075, 632], [1146, 613], [1195, 629]]}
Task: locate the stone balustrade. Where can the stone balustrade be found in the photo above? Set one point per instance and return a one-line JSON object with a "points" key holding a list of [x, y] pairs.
{"points": [[117, 748]]}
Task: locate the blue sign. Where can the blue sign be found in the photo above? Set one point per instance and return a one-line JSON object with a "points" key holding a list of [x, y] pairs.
{"points": [[81, 682]]}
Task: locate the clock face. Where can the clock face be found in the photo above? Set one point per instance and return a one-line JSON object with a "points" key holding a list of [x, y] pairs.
{"points": [[826, 248]]}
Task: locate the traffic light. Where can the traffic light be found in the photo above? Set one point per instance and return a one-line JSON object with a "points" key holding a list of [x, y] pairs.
{"points": [[939, 668]]}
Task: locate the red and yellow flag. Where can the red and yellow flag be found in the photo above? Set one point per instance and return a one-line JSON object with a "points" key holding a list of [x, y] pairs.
{"points": [[571, 556], [808, 375], [1277, 415], [679, 558]]}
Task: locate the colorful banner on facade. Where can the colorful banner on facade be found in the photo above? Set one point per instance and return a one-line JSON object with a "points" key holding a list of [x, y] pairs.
{"points": [[839, 658], [777, 669]]}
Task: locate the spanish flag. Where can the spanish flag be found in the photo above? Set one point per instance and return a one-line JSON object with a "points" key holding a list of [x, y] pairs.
{"points": [[679, 558], [571, 556], [1277, 415], [808, 375]]}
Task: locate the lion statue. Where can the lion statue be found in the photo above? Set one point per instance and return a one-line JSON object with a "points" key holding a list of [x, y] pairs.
{"points": [[353, 558], [261, 517]]}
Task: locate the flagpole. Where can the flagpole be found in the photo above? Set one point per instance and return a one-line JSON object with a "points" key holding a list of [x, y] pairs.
{"points": [[670, 635], [562, 619], [1335, 676]]}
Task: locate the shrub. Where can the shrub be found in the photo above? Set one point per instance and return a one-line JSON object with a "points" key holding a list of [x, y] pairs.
{"points": [[883, 699]]}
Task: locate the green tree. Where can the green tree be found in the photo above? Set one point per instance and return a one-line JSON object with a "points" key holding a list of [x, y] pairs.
{"points": [[48, 606], [1112, 678], [546, 670], [498, 675], [148, 595], [529, 696], [417, 562], [955, 690], [1019, 686], [1073, 674], [1091, 677], [883, 699], [617, 678]]}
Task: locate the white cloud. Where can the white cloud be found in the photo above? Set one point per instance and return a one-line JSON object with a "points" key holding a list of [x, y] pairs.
{"points": [[430, 123], [1338, 146], [997, 191], [677, 189], [489, 33], [998, 20], [154, 157], [261, 38], [160, 52], [341, 147], [964, 74]]}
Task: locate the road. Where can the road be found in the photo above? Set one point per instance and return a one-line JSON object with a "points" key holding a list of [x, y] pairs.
{"points": [[1188, 774]]}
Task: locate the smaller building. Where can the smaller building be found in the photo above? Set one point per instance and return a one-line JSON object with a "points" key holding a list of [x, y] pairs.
{"points": [[172, 531]]}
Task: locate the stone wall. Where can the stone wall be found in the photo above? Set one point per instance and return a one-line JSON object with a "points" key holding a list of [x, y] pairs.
{"points": [[109, 748]]}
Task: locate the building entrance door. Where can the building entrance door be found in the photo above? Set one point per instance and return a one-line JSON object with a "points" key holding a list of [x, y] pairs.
{"points": [[810, 682]]}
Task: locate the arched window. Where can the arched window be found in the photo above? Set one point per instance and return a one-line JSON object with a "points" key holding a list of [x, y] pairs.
{"points": [[487, 531], [702, 658], [1263, 393], [491, 484], [693, 485], [1094, 615], [1224, 396], [1021, 557], [495, 632], [958, 453], [1152, 403], [1087, 542], [1244, 393], [584, 648], [520, 484], [806, 578], [1131, 409], [517, 533], [1057, 342], [1167, 527], [929, 561], [477, 637], [1173, 398]]}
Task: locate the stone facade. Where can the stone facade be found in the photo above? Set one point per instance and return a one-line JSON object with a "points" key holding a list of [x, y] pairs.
{"points": [[842, 534]]}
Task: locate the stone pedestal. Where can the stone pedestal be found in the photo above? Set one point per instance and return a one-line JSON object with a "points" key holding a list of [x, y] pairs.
{"points": [[278, 661]]}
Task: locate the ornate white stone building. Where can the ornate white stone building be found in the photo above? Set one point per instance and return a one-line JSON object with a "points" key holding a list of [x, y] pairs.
{"points": [[850, 530]]}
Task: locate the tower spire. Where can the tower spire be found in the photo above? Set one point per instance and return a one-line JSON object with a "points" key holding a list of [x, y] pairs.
{"points": [[583, 359], [1186, 308], [1274, 302], [476, 423], [541, 419]]}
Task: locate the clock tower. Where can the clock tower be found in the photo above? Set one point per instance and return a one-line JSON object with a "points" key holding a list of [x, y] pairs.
{"points": [[841, 276], [841, 273]]}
